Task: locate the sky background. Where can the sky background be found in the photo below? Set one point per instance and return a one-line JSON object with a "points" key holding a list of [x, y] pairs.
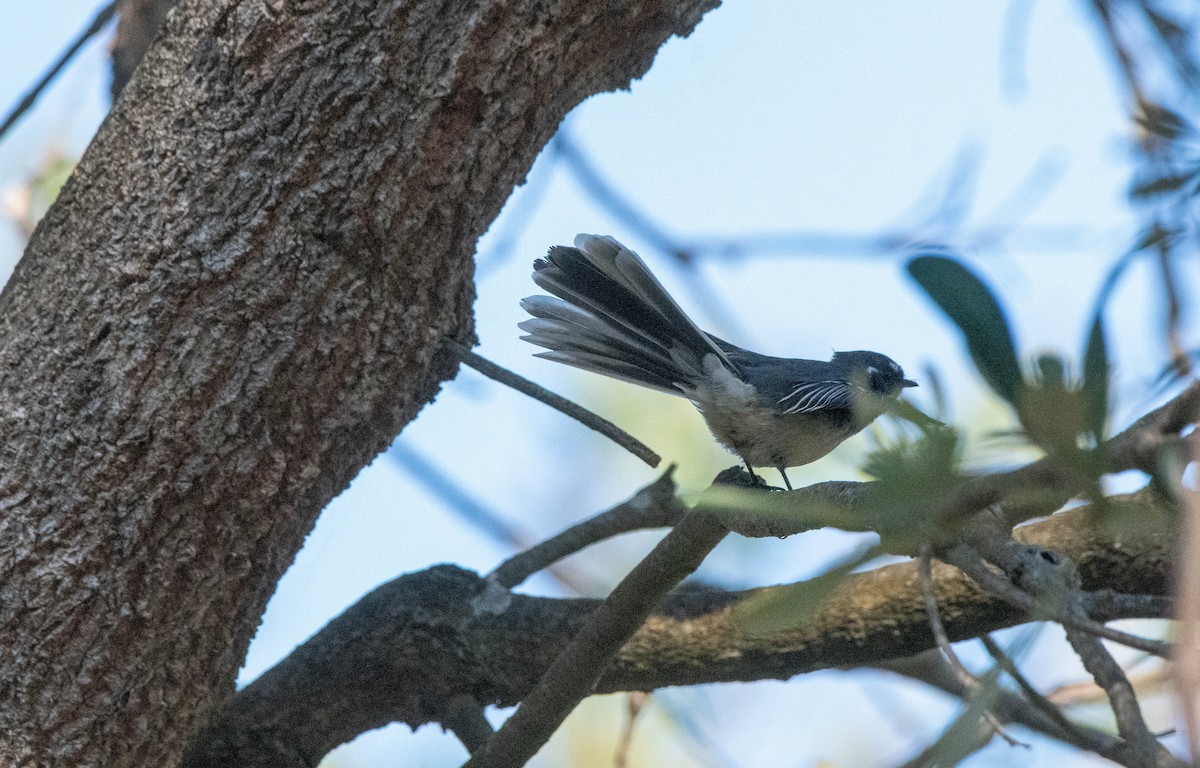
{"points": [[816, 124]]}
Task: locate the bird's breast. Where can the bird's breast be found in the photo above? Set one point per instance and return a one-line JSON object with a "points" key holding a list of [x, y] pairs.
{"points": [[766, 438]]}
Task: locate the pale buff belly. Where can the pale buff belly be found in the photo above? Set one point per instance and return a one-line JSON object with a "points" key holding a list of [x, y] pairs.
{"points": [[766, 439]]}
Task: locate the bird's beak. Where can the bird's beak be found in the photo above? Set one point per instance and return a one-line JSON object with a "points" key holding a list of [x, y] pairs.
{"points": [[907, 383]]}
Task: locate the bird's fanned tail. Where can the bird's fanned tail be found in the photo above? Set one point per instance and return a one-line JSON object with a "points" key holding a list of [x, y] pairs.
{"points": [[613, 317]]}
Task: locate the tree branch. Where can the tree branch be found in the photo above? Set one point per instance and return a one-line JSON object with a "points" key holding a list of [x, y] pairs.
{"points": [[933, 670], [970, 563], [655, 506], [574, 673], [102, 17], [557, 402], [415, 643]]}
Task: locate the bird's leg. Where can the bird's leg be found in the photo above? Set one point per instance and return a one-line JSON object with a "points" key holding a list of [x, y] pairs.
{"points": [[757, 480], [783, 474]]}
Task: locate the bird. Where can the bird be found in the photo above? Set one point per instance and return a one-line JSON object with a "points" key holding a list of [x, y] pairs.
{"points": [[609, 314]]}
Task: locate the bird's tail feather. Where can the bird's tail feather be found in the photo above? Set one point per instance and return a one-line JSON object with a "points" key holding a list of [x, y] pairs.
{"points": [[613, 317]]}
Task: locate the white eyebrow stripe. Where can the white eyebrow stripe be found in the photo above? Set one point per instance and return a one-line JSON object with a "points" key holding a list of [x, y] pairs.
{"points": [[817, 395]]}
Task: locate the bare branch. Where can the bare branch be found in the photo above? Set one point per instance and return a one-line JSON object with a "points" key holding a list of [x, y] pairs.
{"points": [[969, 561], [557, 402], [102, 17], [456, 498], [654, 506], [1106, 605], [933, 670], [1053, 713], [1143, 746], [968, 680], [1052, 581], [444, 632], [574, 674], [635, 704]]}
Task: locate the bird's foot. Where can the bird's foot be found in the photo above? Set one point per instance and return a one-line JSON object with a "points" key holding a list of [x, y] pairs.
{"points": [[740, 476]]}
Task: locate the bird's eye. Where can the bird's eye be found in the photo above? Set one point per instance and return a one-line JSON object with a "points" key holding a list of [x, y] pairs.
{"points": [[882, 382], [875, 379]]}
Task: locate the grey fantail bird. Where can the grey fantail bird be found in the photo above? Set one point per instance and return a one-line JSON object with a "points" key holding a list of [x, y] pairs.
{"points": [[612, 316]]}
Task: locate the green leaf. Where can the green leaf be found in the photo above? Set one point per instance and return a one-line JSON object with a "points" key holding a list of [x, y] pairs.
{"points": [[970, 305], [1051, 371], [792, 605], [903, 409], [914, 478], [1095, 379]]}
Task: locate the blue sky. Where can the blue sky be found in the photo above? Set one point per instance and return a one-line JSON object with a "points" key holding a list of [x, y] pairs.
{"points": [[822, 117]]}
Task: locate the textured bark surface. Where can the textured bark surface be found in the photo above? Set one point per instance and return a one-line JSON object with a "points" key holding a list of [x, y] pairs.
{"points": [[406, 651], [236, 303]]}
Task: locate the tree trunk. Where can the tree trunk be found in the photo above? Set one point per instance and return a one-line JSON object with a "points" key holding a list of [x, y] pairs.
{"points": [[236, 303]]}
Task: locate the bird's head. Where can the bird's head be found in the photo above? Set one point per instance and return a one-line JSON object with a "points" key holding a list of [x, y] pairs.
{"points": [[873, 372]]}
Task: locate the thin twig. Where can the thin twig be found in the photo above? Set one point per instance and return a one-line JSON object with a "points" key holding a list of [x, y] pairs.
{"points": [[519, 210], [932, 669], [455, 497], [1107, 673], [102, 17], [1125, 60], [964, 675], [969, 562], [655, 506], [574, 674], [925, 579], [1031, 694], [1052, 580], [1170, 288], [474, 511], [629, 213], [635, 704], [1087, 692], [884, 242], [933, 755], [1013, 47], [1107, 605], [558, 402]]}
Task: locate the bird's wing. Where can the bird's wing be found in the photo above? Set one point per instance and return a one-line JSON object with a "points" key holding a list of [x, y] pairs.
{"points": [[811, 396]]}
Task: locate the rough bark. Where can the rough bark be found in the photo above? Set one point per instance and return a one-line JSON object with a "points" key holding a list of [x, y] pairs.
{"points": [[412, 647], [236, 303]]}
